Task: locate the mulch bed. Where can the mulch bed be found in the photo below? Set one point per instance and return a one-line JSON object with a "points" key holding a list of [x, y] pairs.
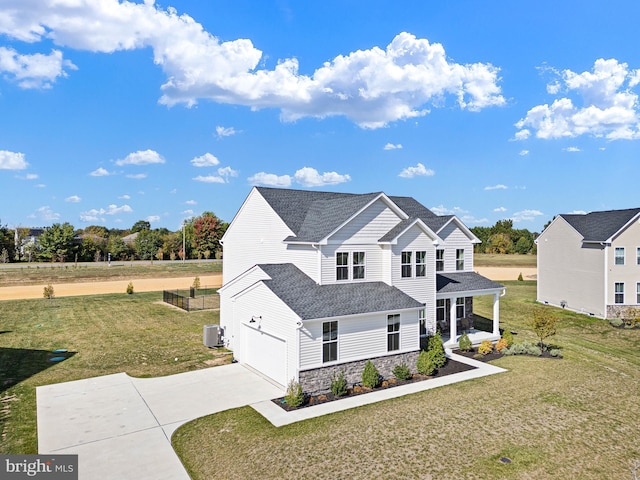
{"points": [[449, 368], [473, 354]]}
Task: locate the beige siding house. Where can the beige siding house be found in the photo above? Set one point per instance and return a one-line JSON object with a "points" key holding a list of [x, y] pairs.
{"points": [[316, 283], [590, 263]]}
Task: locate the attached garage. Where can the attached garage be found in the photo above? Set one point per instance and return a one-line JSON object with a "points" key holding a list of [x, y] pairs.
{"points": [[266, 353]]}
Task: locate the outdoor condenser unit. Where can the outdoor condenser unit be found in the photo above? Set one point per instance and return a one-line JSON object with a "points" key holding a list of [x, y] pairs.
{"points": [[211, 336]]}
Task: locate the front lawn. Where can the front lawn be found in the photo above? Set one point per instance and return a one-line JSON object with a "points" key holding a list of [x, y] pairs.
{"points": [[102, 334], [572, 418]]}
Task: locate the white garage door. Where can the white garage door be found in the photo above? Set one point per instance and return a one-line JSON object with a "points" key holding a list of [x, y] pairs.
{"points": [[266, 353]]}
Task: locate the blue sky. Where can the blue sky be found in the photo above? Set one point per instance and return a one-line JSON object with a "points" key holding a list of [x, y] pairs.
{"points": [[113, 112]]}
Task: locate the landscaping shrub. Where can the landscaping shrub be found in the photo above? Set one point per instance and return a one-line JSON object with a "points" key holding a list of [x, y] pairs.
{"points": [[425, 365], [370, 375], [196, 283], [48, 292], [508, 337], [402, 372], [130, 288], [434, 346], [339, 385], [554, 352], [295, 395], [616, 322], [501, 345], [464, 343], [485, 347], [520, 279]]}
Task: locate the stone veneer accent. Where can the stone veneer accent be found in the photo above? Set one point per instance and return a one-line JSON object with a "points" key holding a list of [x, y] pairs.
{"points": [[618, 311], [318, 380]]}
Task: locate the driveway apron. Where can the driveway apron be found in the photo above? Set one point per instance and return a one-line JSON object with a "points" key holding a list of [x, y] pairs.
{"points": [[121, 426]]}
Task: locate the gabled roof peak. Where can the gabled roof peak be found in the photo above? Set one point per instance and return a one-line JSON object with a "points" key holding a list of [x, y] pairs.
{"points": [[600, 226]]}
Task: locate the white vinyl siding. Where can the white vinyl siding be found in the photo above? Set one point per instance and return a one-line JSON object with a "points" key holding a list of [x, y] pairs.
{"points": [[372, 257], [367, 227], [629, 273], [455, 239]]}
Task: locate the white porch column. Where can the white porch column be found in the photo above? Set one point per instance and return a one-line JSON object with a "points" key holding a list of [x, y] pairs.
{"points": [[496, 314], [453, 324]]}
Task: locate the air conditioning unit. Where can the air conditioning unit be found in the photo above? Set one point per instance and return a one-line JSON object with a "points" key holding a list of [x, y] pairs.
{"points": [[211, 336]]}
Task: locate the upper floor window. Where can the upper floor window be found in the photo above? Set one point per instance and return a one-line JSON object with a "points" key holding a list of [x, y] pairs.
{"points": [[358, 265], [421, 264], [460, 259], [619, 256], [393, 332], [638, 255], [619, 292], [342, 266], [406, 265], [439, 260], [330, 341]]}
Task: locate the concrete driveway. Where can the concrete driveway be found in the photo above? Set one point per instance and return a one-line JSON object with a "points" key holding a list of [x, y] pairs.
{"points": [[121, 426]]}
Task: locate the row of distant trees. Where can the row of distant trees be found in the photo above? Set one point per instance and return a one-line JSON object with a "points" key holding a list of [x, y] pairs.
{"points": [[503, 238], [61, 242]]}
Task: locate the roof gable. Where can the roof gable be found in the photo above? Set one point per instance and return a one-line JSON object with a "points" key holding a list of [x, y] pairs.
{"points": [[601, 226]]}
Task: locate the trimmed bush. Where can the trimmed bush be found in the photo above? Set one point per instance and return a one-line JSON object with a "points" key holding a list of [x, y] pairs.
{"points": [[554, 352], [130, 288], [434, 346], [295, 395], [507, 336], [485, 347], [196, 283], [339, 385], [370, 375], [520, 279], [501, 345], [425, 365], [402, 372], [464, 343], [48, 292]]}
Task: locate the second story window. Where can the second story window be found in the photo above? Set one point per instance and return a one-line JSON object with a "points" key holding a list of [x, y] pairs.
{"points": [[358, 265], [406, 265], [421, 264], [342, 266], [440, 260], [460, 259], [619, 256]]}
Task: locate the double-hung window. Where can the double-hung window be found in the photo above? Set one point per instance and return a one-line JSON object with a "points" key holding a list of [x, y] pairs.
{"points": [[342, 266], [619, 293], [393, 332], [330, 341], [440, 310], [358, 265], [421, 264], [459, 307], [406, 264], [440, 260], [619, 256], [460, 259]]}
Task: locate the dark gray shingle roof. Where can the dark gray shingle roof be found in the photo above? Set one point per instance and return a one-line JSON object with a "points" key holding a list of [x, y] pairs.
{"points": [[463, 282], [600, 226], [310, 300]]}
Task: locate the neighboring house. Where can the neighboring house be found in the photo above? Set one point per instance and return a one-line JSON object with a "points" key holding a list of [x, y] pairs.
{"points": [[590, 263], [130, 240], [27, 240], [315, 283]]}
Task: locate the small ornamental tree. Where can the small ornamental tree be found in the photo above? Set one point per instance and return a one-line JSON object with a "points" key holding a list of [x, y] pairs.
{"points": [[544, 325], [464, 343], [196, 283], [370, 375], [425, 364], [48, 292], [435, 348], [339, 385], [295, 395], [507, 336]]}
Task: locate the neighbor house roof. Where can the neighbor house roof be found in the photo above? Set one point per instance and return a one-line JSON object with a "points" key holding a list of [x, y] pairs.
{"points": [[464, 282], [600, 226], [310, 300]]}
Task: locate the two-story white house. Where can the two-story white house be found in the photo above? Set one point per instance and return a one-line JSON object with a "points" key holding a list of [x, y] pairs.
{"points": [[590, 263], [315, 283]]}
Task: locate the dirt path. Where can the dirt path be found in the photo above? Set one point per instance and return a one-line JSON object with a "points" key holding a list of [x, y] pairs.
{"points": [[118, 286], [508, 273]]}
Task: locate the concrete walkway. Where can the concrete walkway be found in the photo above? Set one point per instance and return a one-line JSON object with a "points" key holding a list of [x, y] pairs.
{"points": [[121, 426]]}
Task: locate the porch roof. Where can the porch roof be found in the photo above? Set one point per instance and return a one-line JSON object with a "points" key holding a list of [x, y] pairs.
{"points": [[458, 282], [310, 300]]}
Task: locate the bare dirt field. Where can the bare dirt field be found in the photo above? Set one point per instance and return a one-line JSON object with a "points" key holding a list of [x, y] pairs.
{"points": [[508, 273], [118, 286]]}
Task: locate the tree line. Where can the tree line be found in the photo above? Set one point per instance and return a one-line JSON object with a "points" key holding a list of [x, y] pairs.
{"points": [[503, 238], [61, 242]]}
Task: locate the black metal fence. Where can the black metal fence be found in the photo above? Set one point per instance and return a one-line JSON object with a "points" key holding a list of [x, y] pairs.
{"points": [[193, 299]]}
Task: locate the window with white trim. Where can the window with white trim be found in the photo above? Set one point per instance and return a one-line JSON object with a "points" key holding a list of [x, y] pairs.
{"points": [[421, 264], [619, 256], [393, 332], [329, 341], [358, 265], [440, 260], [422, 318], [460, 259], [342, 266], [459, 308], [405, 264], [440, 310], [619, 293]]}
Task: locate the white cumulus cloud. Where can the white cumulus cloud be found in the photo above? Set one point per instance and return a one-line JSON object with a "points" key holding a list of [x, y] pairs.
{"points": [[270, 179], [100, 172], [500, 209], [418, 171], [310, 177], [33, 71], [153, 218], [45, 214], [73, 199], [526, 215], [496, 187], [225, 131], [523, 153], [141, 157], [191, 202], [97, 214], [136, 176], [209, 179], [12, 160], [206, 160], [572, 149], [392, 146]]}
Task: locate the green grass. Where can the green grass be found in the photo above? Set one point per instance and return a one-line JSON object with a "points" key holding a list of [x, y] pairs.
{"points": [[570, 418], [104, 334], [497, 260], [42, 273]]}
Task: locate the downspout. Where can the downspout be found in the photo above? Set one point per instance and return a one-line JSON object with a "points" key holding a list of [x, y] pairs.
{"points": [[606, 278]]}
